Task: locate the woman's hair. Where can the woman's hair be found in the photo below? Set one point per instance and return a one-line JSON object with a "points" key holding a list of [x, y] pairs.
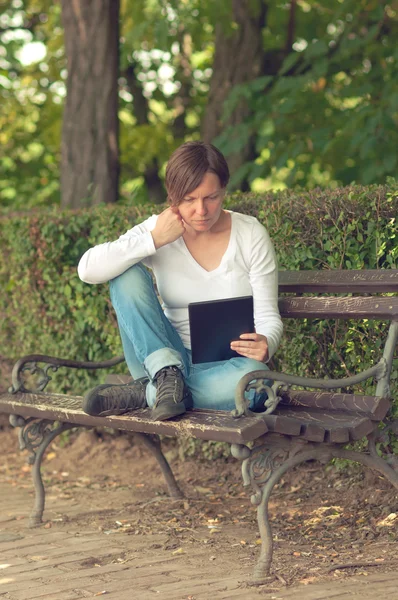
{"points": [[188, 165]]}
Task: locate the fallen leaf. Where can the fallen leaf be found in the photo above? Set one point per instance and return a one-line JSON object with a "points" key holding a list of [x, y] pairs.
{"points": [[202, 490], [179, 551], [388, 521]]}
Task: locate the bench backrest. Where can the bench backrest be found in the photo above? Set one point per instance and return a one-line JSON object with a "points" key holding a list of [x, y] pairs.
{"points": [[363, 288]]}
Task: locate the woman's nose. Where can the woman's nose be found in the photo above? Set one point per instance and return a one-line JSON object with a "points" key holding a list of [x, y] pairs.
{"points": [[201, 207]]}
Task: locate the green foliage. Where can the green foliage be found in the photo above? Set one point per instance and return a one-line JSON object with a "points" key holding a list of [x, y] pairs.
{"points": [[328, 114], [322, 112], [31, 93], [46, 309]]}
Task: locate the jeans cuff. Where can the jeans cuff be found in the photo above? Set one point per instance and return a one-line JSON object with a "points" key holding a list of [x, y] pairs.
{"points": [[164, 357]]}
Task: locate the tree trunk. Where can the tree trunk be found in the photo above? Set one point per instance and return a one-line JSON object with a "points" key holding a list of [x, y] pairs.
{"points": [[238, 59], [90, 148]]}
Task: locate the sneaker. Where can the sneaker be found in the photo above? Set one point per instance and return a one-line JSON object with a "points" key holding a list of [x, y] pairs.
{"points": [[107, 399], [172, 395]]}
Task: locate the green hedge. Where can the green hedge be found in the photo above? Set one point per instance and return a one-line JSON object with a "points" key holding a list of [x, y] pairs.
{"points": [[46, 309]]}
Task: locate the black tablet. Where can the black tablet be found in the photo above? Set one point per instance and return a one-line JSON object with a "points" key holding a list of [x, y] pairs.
{"points": [[214, 324]]}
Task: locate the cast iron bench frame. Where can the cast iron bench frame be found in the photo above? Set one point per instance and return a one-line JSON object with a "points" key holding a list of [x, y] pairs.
{"points": [[296, 426]]}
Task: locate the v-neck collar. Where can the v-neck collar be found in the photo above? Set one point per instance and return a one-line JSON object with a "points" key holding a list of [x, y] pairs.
{"points": [[224, 259]]}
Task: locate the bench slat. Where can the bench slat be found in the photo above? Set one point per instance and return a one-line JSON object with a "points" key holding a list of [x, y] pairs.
{"points": [[372, 407], [282, 424], [342, 308], [339, 281], [333, 426], [212, 425]]}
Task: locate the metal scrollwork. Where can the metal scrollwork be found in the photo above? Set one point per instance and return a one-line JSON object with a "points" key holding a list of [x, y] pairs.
{"points": [[31, 434], [51, 363], [34, 369], [259, 466], [259, 463], [258, 382]]}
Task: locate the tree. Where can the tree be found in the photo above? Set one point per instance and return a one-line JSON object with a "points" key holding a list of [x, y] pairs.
{"points": [[238, 60], [90, 132], [299, 92], [329, 114]]}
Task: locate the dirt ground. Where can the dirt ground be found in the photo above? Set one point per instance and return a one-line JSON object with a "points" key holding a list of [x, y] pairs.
{"points": [[329, 525]]}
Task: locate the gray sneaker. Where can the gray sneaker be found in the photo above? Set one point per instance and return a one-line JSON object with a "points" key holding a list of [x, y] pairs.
{"points": [[172, 395], [108, 399]]}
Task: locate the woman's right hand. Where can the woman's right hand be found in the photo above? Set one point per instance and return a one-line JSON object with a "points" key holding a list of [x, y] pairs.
{"points": [[169, 227]]}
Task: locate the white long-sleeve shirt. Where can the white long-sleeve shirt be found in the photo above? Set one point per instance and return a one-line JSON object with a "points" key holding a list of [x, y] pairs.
{"points": [[248, 267]]}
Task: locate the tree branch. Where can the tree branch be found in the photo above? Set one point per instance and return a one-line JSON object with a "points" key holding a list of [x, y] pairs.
{"points": [[182, 101], [291, 28]]}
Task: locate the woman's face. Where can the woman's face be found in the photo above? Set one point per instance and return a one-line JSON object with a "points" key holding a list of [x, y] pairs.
{"points": [[201, 208]]}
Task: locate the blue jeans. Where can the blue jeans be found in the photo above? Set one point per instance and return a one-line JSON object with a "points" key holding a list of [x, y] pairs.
{"points": [[150, 343]]}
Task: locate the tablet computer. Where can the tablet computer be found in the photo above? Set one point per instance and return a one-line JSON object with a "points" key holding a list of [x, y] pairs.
{"points": [[214, 324]]}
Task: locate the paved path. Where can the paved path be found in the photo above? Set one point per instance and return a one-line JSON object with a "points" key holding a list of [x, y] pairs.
{"points": [[65, 562]]}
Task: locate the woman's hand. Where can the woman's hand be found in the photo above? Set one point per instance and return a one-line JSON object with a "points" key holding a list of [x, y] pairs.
{"points": [[169, 227], [252, 345]]}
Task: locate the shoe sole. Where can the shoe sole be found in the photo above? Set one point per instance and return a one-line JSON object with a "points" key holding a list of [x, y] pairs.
{"points": [[173, 410], [120, 411], [169, 412]]}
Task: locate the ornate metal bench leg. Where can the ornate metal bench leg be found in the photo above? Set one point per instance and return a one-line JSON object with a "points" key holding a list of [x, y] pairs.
{"points": [[153, 443], [36, 435], [262, 468]]}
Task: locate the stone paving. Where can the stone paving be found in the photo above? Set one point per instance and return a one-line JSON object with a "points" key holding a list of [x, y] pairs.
{"points": [[66, 562]]}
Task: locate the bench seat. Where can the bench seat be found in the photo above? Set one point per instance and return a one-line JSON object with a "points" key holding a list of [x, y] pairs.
{"points": [[213, 425], [313, 421]]}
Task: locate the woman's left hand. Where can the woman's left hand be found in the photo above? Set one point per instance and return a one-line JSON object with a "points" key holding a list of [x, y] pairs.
{"points": [[252, 345]]}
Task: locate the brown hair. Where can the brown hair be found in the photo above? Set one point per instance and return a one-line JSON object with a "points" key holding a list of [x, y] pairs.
{"points": [[188, 165]]}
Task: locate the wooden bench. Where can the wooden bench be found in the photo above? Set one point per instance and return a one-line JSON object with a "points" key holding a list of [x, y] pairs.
{"points": [[296, 426]]}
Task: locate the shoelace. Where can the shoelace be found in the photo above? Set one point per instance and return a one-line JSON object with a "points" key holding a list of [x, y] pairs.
{"points": [[167, 383], [117, 397]]}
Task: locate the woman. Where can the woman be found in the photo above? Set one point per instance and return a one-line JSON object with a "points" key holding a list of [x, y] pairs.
{"points": [[197, 251]]}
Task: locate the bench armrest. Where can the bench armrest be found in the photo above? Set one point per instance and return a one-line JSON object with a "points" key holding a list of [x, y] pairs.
{"points": [[51, 363], [259, 381]]}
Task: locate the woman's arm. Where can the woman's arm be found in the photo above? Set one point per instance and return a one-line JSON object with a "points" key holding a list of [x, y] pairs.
{"points": [[106, 261]]}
